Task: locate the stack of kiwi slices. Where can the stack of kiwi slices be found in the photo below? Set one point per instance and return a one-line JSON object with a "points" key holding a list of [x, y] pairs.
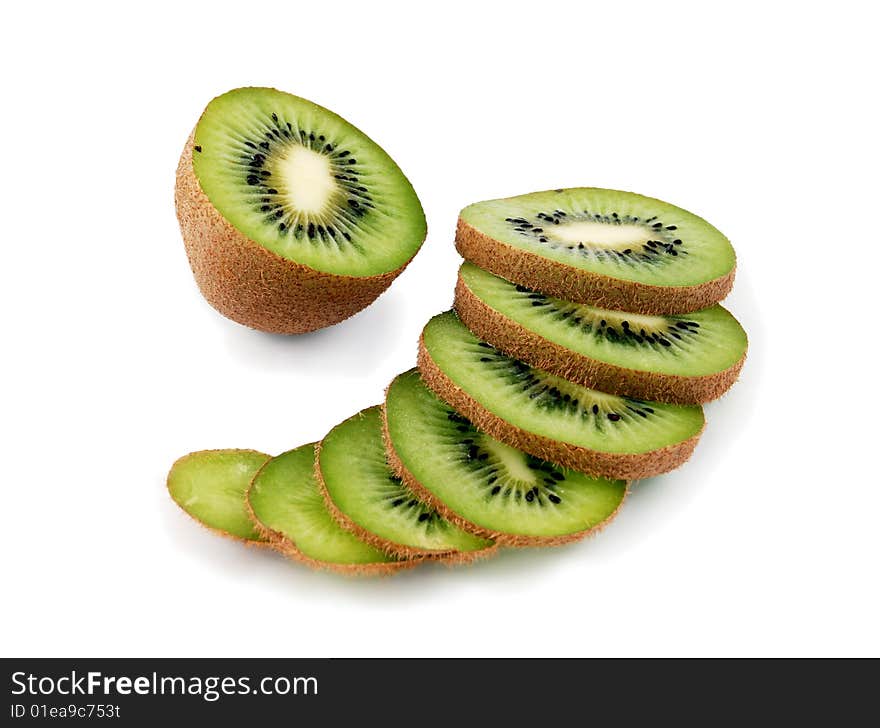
{"points": [[586, 335]]}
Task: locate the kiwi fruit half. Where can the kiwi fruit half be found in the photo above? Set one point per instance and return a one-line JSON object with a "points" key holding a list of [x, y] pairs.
{"points": [[288, 509], [617, 250], [606, 435], [210, 486], [368, 499], [684, 359], [482, 484], [292, 218]]}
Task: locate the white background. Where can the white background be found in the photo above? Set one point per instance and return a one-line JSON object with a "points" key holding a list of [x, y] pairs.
{"points": [[758, 116]]}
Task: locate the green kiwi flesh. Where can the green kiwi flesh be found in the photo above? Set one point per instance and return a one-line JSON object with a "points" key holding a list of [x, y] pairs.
{"points": [[549, 417], [495, 489], [621, 235], [367, 497], [305, 184], [285, 500], [210, 486], [697, 355]]}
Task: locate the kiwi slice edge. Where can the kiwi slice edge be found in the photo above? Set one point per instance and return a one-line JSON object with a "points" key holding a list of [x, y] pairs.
{"points": [[296, 468], [371, 502], [206, 485], [419, 422], [503, 319], [689, 420], [513, 238]]}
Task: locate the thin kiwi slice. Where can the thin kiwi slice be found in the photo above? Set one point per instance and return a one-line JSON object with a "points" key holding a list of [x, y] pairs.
{"points": [[293, 219], [367, 498], [684, 359], [549, 417], [482, 484], [210, 486], [617, 250], [288, 509]]}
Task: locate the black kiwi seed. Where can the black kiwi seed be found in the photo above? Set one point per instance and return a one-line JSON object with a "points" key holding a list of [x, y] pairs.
{"points": [[613, 416], [198, 148]]}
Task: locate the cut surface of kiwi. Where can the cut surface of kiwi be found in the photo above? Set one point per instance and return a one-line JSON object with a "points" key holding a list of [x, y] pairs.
{"points": [[550, 417], [306, 184], [286, 502], [685, 358], [366, 497], [210, 486], [483, 484], [609, 248]]}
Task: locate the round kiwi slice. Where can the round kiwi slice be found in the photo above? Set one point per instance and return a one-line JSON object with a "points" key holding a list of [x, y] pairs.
{"points": [[292, 218], [288, 509], [684, 359], [367, 498], [210, 486], [482, 484], [549, 417], [617, 250]]}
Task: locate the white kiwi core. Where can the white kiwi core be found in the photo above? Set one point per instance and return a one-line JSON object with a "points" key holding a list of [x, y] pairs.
{"points": [[308, 180], [599, 234], [513, 460]]}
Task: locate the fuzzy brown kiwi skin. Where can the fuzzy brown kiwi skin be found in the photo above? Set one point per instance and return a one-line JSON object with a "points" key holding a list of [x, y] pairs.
{"points": [[252, 285], [618, 466], [580, 286], [521, 343], [392, 548], [218, 531], [502, 539], [285, 546]]}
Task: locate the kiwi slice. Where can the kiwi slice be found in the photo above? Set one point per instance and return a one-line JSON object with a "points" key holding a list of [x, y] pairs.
{"points": [[684, 359], [617, 250], [368, 499], [210, 486], [482, 484], [289, 511], [549, 417], [293, 219]]}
